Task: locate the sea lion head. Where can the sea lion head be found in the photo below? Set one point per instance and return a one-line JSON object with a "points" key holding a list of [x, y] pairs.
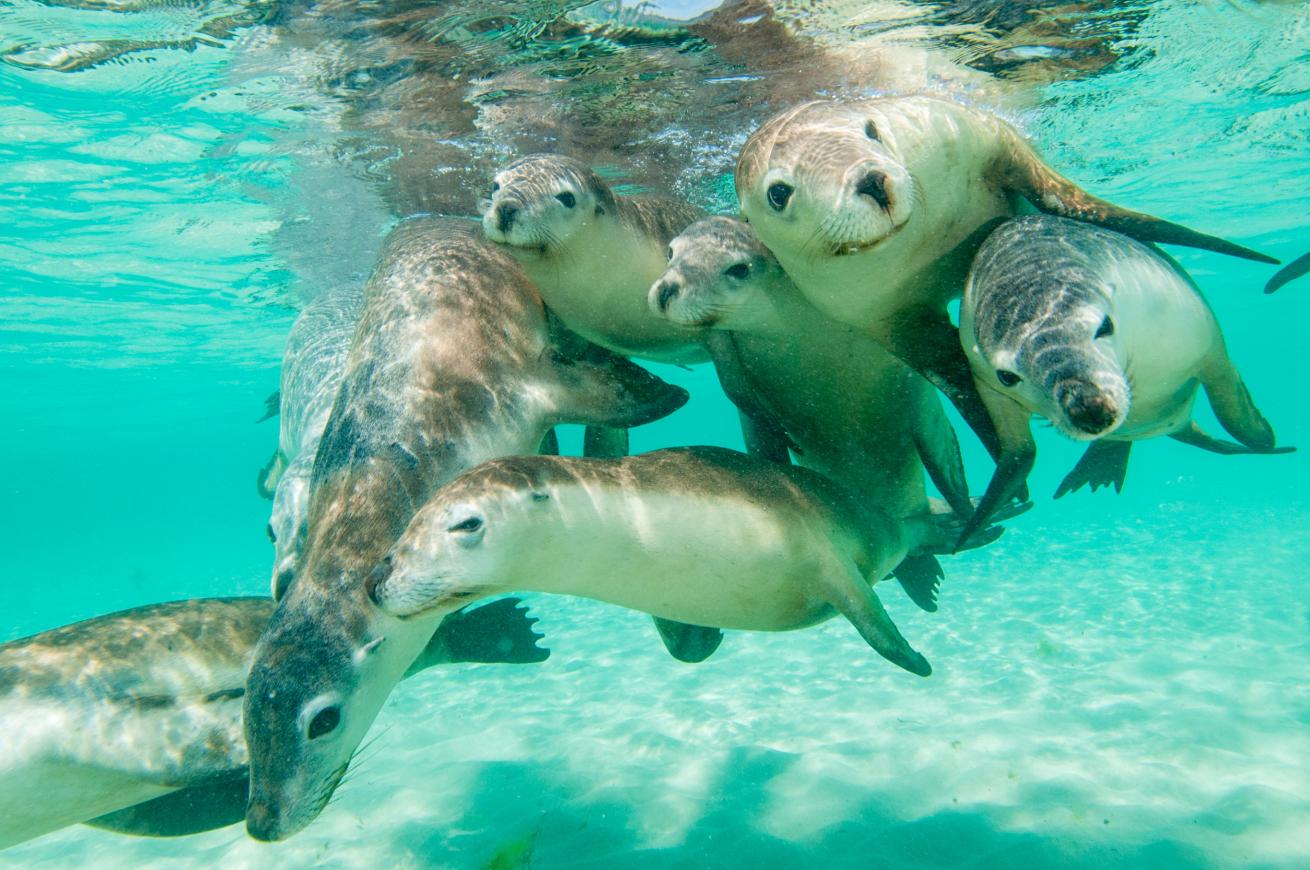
{"points": [[540, 202], [462, 545], [1043, 319], [824, 179], [717, 276]]}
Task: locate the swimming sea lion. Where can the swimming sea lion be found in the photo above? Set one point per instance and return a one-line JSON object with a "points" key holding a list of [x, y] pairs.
{"points": [[876, 207], [1105, 337], [854, 412], [591, 252], [312, 367], [702, 535], [451, 364], [132, 721]]}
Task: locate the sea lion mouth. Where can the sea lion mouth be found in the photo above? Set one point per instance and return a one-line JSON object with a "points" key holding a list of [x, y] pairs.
{"points": [[538, 248], [846, 249]]}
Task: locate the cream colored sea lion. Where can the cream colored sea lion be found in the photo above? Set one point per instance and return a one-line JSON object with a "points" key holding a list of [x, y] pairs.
{"points": [[853, 412], [1105, 337], [452, 364], [702, 535], [876, 207], [132, 721]]}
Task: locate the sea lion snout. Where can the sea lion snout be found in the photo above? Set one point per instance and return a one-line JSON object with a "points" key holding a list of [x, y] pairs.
{"points": [[505, 214], [1086, 405], [377, 578], [263, 821], [665, 292], [873, 184]]}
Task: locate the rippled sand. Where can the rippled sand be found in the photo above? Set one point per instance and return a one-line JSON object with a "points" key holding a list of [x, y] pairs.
{"points": [[1144, 704]]}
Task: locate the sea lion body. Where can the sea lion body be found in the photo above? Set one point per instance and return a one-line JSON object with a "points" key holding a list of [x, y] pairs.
{"points": [[705, 536], [312, 366], [1105, 337], [876, 207], [591, 252], [452, 364], [132, 721]]}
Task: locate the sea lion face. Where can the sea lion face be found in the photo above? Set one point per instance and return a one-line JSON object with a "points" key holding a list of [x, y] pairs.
{"points": [[541, 202], [717, 274], [825, 180]]}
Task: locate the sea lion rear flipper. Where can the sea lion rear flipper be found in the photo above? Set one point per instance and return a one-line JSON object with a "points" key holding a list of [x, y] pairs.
{"points": [[270, 474], [191, 810], [1290, 272], [858, 602], [272, 406], [939, 450], [1022, 172], [688, 643], [604, 389], [1195, 436], [497, 632], [1105, 463], [1232, 403], [1018, 452], [920, 577], [926, 341]]}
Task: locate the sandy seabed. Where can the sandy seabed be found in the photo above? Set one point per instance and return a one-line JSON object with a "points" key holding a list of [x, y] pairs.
{"points": [[1139, 704]]}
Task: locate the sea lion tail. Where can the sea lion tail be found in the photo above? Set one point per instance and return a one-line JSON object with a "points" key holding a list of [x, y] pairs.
{"points": [[270, 473], [500, 631]]}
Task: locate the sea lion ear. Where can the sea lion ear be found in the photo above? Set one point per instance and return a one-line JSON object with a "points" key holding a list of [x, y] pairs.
{"points": [[600, 388], [1018, 170]]}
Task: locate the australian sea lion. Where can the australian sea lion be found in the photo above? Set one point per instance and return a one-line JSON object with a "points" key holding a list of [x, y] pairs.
{"points": [[854, 412], [132, 721], [1105, 337], [591, 252], [876, 207], [312, 366], [702, 535], [451, 364]]}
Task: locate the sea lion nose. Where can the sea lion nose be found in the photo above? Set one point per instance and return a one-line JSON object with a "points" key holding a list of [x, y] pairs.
{"points": [[874, 186], [505, 214], [666, 293], [262, 821], [376, 578], [1087, 407]]}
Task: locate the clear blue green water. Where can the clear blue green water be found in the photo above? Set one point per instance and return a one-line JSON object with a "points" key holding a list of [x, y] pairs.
{"points": [[1120, 680]]}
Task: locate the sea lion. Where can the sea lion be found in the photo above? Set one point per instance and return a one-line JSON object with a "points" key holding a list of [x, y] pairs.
{"points": [[1290, 272], [1105, 337], [452, 364], [702, 535], [876, 207], [132, 721], [312, 366], [853, 412], [591, 252]]}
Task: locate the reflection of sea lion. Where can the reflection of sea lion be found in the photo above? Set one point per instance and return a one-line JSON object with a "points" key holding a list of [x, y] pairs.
{"points": [[876, 207], [312, 366], [452, 364], [132, 721], [702, 535], [1106, 338], [854, 412]]}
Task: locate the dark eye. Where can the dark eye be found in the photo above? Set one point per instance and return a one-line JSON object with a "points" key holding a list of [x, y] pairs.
{"points": [[779, 194], [495, 186], [1007, 377], [567, 199], [668, 255], [272, 535], [1106, 328], [738, 271], [871, 131], [325, 721], [472, 524]]}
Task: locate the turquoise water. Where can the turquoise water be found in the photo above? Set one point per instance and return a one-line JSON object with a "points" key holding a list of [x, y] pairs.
{"points": [[1120, 680]]}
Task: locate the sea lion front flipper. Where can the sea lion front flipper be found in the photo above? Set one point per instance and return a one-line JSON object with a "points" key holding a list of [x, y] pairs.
{"points": [[760, 433], [926, 341], [688, 643], [273, 406], [191, 810], [920, 577], [1018, 452], [857, 601], [764, 439], [270, 474], [939, 450], [497, 632], [1290, 272], [1105, 463], [1019, 170], [604, 442], [1195, 436], [601, 388], [1232, 403]]}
